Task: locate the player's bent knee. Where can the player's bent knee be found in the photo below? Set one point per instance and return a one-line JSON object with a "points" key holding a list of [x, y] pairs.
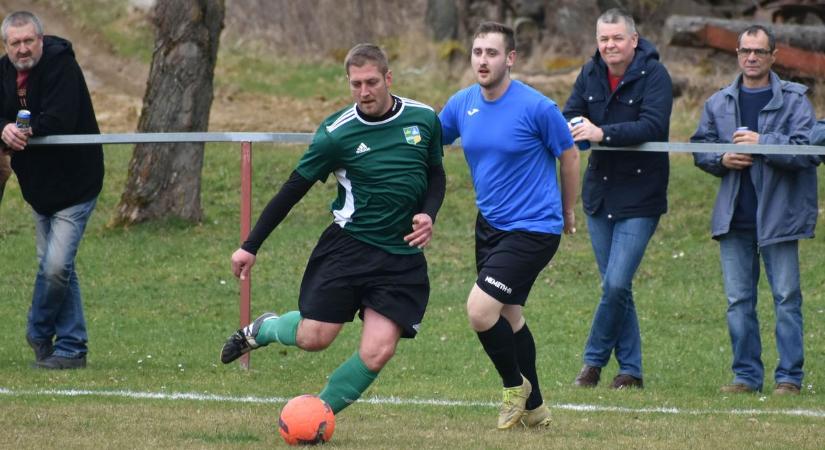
{"points": [[313, 344], [314, 336], [375, 357], [479, 321], [481, 318]]}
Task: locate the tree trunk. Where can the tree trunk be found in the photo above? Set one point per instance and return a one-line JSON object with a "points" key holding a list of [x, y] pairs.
{"points": [[164, 179]]}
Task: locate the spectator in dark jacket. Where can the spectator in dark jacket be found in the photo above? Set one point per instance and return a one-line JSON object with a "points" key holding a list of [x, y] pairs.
{"points": [[624, 95], [5, 171], [766, 203], [61, 183]]}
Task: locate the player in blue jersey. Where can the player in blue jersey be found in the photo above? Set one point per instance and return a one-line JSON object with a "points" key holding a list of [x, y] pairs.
{"points": [[511, 135]]}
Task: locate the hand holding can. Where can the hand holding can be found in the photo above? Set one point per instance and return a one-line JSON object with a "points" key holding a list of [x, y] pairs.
{"points": [[23, 119], [582, 145]]}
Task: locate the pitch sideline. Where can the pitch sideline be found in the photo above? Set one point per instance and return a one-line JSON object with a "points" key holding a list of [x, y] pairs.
{"points": [[191, 396]]}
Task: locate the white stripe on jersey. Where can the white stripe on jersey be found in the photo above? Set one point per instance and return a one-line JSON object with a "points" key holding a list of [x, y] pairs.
{"points": [[342, 119], [416, 103], [351, 114], [343, 216]]}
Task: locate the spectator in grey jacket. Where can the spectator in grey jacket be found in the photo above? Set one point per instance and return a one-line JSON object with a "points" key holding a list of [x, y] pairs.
{"points": [[766, 203], [818, 134]]}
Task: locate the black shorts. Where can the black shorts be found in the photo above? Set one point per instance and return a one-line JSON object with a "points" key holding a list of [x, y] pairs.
{"points": [[344, 275], [508, 262]]}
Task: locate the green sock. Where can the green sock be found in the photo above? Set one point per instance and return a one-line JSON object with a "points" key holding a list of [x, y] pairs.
{"points": [[347, 383], [282, 330]]}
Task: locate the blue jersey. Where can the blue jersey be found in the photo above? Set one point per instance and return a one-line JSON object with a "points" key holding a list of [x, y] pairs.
{"points": [[511, 145]]}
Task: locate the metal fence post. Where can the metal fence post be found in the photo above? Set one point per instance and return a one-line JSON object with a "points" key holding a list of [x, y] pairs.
{"points": [[246, 225]]}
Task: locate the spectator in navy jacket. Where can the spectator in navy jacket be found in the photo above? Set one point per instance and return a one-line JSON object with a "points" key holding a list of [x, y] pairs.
{"points": [[624, 95], [765, 204]]}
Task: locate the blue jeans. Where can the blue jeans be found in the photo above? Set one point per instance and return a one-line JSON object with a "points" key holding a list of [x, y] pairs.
{"points": [[619, 246], [56, 311], [740, 268]]}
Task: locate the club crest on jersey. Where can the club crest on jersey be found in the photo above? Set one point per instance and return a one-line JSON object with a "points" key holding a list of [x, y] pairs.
{"points": [[412, 135]]}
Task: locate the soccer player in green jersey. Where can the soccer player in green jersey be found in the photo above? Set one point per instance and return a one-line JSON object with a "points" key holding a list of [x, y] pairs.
{"points": [[385, 153]]}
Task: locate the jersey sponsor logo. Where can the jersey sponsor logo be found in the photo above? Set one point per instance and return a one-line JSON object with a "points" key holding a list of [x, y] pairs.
{"points": [[412, 135], [471, 112], [362, 148], [498, 284]]}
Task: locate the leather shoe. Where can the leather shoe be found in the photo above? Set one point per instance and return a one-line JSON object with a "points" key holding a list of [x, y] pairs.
{"points": [[786, 389], [588, 377], [42, 349], [55, 362], [736, 388], [625, 381]]}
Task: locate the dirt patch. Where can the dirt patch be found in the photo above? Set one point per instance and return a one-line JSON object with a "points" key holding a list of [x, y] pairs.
{"points": [[233, 111], [117, 86]]}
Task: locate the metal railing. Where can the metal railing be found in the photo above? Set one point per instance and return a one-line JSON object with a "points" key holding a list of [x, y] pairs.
{"points": [[246, 140]]}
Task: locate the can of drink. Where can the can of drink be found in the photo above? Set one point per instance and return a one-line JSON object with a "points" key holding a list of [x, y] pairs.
{"points": [[582, 145], [24, 117], [742, 128]]}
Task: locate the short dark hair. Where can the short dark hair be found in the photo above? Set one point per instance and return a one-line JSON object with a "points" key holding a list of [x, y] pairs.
{"points": [[754, 30], [495, 27], [365, 53], [19, 19], [614, 15]]}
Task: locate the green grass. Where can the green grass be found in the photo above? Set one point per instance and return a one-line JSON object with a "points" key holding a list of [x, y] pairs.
{"points": [[160, 300], [129, 35], [283, 77], [418, 75]]}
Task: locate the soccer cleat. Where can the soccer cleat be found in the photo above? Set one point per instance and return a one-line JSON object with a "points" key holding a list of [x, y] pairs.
{"points": [[512, 405], [243, 340], [538, 417]]}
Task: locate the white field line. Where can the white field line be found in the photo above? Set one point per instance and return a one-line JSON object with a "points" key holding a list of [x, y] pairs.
{"points": [[192, 396]]}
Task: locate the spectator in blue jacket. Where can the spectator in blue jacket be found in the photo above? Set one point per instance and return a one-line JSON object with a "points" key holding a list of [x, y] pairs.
{"points": [[624, 95], [766, 203]]}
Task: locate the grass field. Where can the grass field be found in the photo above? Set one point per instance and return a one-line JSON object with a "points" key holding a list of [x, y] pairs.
{"points": [[160, 300]]}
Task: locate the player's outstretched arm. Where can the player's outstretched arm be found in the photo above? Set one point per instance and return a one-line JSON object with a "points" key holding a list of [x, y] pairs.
{"points": [[290, 193], [276, 210], [569, 170]]}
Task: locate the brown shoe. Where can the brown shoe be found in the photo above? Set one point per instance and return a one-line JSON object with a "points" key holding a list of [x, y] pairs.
{"points": [[625, 381], [736, 388], [786, 389], [588, 377]]}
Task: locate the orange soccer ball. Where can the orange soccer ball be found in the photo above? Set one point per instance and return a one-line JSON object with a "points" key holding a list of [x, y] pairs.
{"points": [[306, 420]]}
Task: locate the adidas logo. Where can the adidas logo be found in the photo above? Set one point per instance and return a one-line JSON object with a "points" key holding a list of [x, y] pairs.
{"points": [[362, 149]]}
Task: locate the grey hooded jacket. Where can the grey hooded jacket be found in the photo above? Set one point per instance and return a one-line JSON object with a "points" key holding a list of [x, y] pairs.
{"points": [[818, 134], [785, 184]]}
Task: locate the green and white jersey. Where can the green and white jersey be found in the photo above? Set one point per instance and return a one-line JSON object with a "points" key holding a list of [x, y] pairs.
{"points": [[381, 168]]}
